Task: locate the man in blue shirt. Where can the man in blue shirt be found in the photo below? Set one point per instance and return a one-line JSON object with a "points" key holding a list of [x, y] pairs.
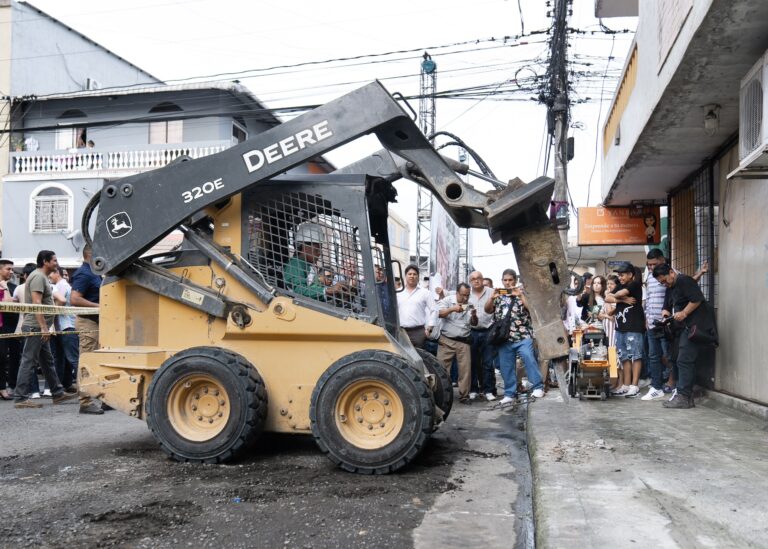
{"points": [[85, 293]]}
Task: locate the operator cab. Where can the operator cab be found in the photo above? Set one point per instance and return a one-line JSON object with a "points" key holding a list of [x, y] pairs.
{"points": [[323, 240]]}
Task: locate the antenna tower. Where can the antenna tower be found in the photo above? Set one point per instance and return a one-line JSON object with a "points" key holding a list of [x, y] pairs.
{"points": [[424, 198]]}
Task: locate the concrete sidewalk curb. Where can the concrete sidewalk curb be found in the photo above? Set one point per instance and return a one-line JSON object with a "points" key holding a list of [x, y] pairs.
{"points": [[539, 538], [752, 408]]}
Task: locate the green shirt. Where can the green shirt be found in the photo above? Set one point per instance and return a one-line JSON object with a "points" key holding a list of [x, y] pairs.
{"points": [[37, 282], [296, 276]]}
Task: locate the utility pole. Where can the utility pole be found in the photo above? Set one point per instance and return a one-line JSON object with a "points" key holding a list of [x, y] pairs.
{"points": [[556, 98]]}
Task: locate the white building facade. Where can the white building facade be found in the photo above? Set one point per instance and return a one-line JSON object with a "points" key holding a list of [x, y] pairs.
{"points": [[672, 137]]}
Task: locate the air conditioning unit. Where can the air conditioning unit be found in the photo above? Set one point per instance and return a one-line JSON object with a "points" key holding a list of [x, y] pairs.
{"points": [[753, 124], [91, 84]]}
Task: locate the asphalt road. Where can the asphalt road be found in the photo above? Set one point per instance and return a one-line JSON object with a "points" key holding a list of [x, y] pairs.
{"points": [[72, 480]]}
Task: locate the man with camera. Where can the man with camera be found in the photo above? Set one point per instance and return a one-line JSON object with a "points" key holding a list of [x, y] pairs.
{"points": [[458, 317], [510, 302], [686, 304]]}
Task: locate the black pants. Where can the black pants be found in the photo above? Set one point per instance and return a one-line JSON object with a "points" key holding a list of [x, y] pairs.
{"points": [[688, 353], [10, 357], [417, 336]]}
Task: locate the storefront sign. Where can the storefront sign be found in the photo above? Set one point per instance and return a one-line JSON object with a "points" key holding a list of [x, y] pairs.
{"points": [[616, 227]]}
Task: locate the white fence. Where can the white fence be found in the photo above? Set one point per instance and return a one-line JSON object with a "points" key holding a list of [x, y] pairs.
{"points": [[93, 159]]}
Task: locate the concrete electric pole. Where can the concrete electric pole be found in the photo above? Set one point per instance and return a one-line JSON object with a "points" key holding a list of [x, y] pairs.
{"points": [[556, 98]]}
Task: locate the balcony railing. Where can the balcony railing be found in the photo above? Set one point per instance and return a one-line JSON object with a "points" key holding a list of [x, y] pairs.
{"points": [[141, 159]]}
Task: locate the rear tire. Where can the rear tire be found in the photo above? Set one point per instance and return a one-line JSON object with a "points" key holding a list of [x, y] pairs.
{"points": [[443, 391], [371, 412], [206, 405]]}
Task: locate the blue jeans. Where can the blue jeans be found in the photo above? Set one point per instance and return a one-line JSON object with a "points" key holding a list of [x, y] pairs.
{"points": [[629, 346], [658, 347], [508, 353], [483, 376], [66, 355]]}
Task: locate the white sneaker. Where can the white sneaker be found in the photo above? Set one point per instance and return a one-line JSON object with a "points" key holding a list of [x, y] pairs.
{"points": [[538, 393], [621, 390], [472, 396], [645, 382], [490, 397], [35, 395], [674, 394], [47, 394], [652, 394], [633, 391], [507, 400]]}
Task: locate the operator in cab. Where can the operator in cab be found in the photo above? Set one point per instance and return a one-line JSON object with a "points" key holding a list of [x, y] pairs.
{"points": [[300, 273]]}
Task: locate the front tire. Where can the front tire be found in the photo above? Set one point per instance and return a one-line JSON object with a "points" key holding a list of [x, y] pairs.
{"points": [[371, 412], [206, 405]]}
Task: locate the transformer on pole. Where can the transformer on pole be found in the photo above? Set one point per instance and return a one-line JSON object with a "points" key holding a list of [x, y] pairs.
{"points": [[424, 198]]}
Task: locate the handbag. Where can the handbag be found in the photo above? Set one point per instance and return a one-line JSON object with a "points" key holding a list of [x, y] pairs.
{"points": [[702, 336], [498, 332], [704, 332]]}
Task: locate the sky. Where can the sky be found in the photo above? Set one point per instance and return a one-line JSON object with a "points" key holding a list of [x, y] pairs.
{"points": [[184, 39]]}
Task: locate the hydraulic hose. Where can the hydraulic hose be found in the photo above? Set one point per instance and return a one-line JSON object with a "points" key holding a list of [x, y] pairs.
{"points": [[87, 213]]}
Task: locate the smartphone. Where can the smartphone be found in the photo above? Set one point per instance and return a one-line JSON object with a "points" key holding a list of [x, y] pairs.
{"points": [[503, 291]]}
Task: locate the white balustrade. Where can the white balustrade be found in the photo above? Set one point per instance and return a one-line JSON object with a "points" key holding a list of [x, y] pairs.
{"points": [[126, 160]]}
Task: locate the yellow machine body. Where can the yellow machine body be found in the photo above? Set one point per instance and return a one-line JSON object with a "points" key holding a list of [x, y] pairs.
{"points": [[290, 345]]}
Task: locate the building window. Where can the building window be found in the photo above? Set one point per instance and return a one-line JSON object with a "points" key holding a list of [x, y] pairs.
{"points": [[239, 133], [51, 209], [71, 137], [166, 131]]}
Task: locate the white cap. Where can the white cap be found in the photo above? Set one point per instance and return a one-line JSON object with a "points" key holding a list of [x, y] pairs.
{"points": [[309, 232]]}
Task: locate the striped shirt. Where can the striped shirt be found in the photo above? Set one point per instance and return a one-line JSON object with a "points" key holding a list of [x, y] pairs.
{"points": [[654, 300]]}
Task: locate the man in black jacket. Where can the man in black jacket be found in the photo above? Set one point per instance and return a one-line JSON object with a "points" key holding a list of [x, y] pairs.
{"points": [[687, 305]]}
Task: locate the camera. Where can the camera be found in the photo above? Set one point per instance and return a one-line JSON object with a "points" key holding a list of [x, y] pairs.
{"points": [[663, 326]]}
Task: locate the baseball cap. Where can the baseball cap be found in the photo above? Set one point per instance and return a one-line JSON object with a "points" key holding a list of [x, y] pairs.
{"points": [[625, 267]]}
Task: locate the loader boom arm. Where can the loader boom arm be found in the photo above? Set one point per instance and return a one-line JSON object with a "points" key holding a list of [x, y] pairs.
{"points": [[137, 211]]}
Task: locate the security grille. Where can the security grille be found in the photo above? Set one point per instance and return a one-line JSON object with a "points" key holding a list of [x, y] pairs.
{"points": [[51, 214], [693, 228], [303, 245]]}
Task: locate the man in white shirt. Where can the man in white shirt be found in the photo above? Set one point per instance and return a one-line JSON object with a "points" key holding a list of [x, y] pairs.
{"points": [[458, 317], [483, 377], [416, 308]]}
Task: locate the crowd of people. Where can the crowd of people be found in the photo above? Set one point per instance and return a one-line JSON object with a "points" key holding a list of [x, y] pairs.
{"points": [[653, 320], [50, 344], [458, 328]]}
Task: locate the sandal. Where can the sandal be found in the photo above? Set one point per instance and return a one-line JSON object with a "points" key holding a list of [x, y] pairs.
{"points": [[5, 395], [667, 389]]}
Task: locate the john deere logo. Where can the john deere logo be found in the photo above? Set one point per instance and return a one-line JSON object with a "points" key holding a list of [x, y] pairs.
{"points": [[119, 225]]}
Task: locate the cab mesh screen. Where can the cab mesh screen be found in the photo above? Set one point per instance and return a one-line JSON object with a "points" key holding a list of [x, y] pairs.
{"points": [[305, 246]]}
